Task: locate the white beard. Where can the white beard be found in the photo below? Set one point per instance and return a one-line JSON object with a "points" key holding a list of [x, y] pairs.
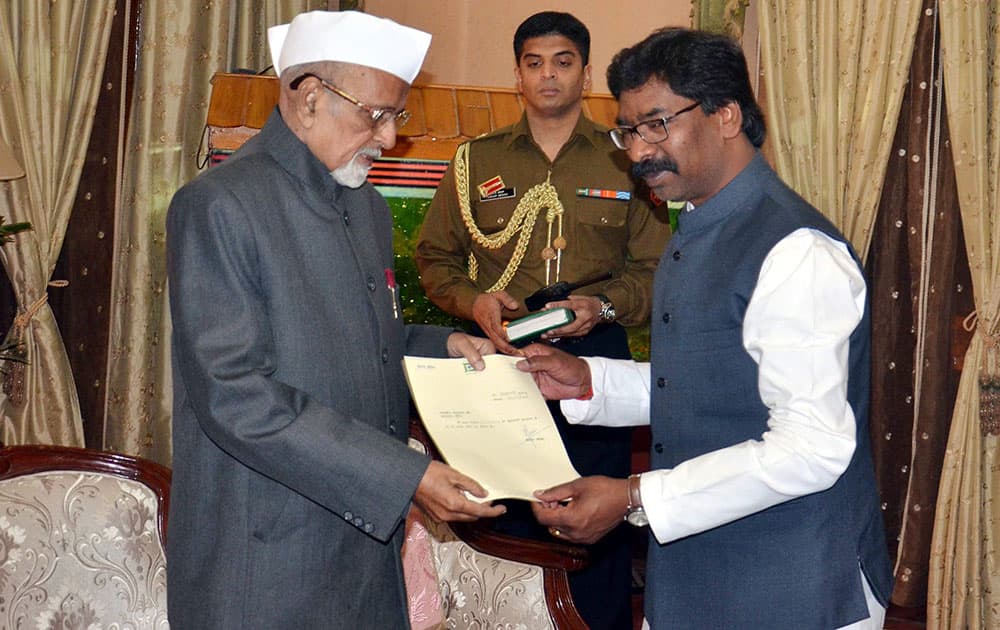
{"points": [[354, 173]]}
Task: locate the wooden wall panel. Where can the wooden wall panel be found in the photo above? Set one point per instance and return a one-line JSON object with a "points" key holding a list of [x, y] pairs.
{"points": [[443, 115], [506, 108]]}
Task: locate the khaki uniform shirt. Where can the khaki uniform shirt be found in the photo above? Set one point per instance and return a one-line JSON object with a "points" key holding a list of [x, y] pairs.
{"points": [[602, 234]]}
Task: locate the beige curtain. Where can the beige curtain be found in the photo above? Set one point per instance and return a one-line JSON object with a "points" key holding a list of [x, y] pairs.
{"points": [[720, 16], [51, 61], [182, 44], [964, 589], [835, 73]]}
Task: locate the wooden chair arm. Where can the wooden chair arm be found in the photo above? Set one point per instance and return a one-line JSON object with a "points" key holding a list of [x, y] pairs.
{"points": [[546, 554]]}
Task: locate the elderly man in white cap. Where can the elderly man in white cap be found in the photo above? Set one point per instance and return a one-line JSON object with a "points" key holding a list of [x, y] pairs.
{"points": [[291, 471]]}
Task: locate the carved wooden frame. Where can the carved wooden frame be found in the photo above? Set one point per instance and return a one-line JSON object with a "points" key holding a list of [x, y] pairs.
{"points": [[16, 461]]}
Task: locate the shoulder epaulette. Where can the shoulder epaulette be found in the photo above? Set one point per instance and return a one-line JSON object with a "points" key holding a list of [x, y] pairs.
{"points": [[493, 134]]}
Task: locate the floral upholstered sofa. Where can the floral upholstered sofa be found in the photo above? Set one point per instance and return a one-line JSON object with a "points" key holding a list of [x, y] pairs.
{"points": [[81, 540], [82, 547]]}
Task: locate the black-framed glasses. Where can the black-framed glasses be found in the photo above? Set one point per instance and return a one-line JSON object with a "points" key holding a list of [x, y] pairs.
{"points": [[381, 116], [651, 131]]}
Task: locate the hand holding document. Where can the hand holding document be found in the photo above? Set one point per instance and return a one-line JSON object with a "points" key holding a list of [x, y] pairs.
{"points": [[492, 425]]}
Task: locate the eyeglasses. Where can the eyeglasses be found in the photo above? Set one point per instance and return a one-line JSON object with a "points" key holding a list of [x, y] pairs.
{"points": [[381, 116], [651, 131]]}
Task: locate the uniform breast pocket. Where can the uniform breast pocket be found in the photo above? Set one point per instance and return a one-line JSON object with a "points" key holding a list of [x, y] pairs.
{"points": [[493, 216], [600, 227], [602, 213]]}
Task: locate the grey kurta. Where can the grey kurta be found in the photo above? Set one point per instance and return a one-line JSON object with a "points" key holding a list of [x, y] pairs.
{"points": [[291, 474]]}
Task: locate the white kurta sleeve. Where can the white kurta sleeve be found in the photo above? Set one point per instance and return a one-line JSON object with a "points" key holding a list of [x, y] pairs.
{"points": [[621, 395], [809, 298]]}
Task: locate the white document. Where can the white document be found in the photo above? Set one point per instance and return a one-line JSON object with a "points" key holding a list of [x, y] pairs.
{"points": [[491, 425]]}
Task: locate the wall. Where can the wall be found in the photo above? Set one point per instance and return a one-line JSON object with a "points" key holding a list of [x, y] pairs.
{"points": [[472, 39]]}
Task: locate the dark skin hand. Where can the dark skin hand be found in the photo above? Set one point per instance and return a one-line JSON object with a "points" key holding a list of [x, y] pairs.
{"points": [[587, 309], [487, 310], [583, 510], [559, 375]]}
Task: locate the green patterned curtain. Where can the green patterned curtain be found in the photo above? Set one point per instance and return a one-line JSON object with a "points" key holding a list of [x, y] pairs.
{"points": [[719, 16]]}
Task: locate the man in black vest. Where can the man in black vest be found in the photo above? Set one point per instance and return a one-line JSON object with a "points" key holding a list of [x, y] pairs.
{"points": [[762, 502]]}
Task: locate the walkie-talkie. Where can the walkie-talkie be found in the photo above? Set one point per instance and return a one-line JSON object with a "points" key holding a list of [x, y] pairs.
{"points": [[558, 291]]}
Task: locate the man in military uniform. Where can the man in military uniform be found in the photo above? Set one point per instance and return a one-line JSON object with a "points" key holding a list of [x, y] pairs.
{"points": [[545, 200]]}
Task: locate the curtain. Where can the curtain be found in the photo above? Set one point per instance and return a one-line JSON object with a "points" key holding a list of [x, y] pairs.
{"points": [[51, 62], [835, 73], [920, 290], [720, 16], [181, 45], [964, 590]]}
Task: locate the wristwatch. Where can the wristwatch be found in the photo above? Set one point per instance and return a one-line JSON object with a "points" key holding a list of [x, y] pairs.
{"points": [[634, 513], [607, 313]]}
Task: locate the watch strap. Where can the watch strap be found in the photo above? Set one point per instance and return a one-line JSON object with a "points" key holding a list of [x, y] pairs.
{"points": [[607, 312], [635, 514], [634, 495]]}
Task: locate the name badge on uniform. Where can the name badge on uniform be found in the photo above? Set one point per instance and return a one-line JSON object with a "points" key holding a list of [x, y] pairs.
{"points": [[494, 188], [604, 193]]}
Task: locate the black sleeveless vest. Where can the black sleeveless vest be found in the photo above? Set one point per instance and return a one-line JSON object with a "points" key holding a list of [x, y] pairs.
{"points": [[794, 565]]}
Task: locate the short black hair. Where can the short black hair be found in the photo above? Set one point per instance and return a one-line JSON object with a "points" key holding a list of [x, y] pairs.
{"points": [[553, 23], [702, 66]]}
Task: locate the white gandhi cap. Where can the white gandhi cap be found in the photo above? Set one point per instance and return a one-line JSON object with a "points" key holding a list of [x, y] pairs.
{"points": [[349, 37]]}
